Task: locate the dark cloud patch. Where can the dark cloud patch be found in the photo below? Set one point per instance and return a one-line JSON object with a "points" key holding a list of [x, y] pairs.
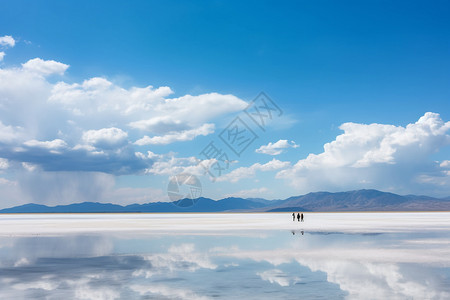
{"points": [[120, 161]]}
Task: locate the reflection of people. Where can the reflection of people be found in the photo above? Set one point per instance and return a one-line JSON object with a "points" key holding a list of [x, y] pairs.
{"points": [[302, 217], [293, 216], [298, 217]]}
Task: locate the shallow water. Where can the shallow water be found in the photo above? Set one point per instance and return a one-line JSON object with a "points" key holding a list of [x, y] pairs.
{"points": [[246, 256]]}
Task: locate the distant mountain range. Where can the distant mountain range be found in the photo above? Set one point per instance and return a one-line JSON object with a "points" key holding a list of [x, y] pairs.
{"points": [[360, 200]]}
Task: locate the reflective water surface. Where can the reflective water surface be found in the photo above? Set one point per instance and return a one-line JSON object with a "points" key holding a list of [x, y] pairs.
{"points": [[231, 264]]}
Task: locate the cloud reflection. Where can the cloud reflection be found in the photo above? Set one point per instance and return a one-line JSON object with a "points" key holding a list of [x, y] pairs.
{"points": [[275, 264], [277, 276]]}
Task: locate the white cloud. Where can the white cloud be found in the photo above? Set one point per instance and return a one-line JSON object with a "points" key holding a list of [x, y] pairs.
{"points": [[29, 167], [159, 124], [4, 164], [248, 172], [147, 108], [28, 117], [98, 95], [276, 148], [51, 145], [34, 113], [44, 67], [445, 164], [170, 165], [40, 284], [105, 137], [22, 262], [202, 107], [7, 41], [378, 156], [4, 181], [2, 55], [9, 133], [181, 136]]}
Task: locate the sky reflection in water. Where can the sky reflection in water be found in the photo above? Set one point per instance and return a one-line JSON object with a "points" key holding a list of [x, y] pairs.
{"points": [[249, 264]]}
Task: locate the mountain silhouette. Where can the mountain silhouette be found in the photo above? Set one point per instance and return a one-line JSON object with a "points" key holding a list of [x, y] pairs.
{"points": [[359, 200]]}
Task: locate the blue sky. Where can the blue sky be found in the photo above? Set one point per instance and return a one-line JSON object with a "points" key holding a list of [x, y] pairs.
{"points": [[73, 103]]}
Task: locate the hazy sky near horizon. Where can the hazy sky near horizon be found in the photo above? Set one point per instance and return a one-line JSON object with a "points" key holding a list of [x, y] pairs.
{"points": [[106, 101]]}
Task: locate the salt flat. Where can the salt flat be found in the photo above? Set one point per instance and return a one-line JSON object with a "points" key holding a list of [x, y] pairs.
{"points": [[231, 255], [30, 224]]}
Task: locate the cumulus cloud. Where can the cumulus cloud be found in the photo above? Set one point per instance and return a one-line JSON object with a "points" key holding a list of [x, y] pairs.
{"points": [[9, 133], [52, 145], [98, 95], [7, 41], [147, 108], [181, 136], [73, 130], [276, 148], [105, 137], [37, 116], [249, 172], [45, 67], [379, 156], [66, 149], [159, 124], [170, 165]]}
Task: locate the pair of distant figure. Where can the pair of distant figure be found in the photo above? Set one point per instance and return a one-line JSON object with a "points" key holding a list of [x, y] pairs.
{"points": [[299, 217]]}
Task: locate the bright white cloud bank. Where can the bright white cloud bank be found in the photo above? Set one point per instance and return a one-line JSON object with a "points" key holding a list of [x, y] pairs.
{"points": [[50, 127], [95, 118], [380, 156]]}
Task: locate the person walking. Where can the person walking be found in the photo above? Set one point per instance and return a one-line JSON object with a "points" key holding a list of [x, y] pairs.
{"points": [[298, 217], [293, 217], [301, 217]]}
